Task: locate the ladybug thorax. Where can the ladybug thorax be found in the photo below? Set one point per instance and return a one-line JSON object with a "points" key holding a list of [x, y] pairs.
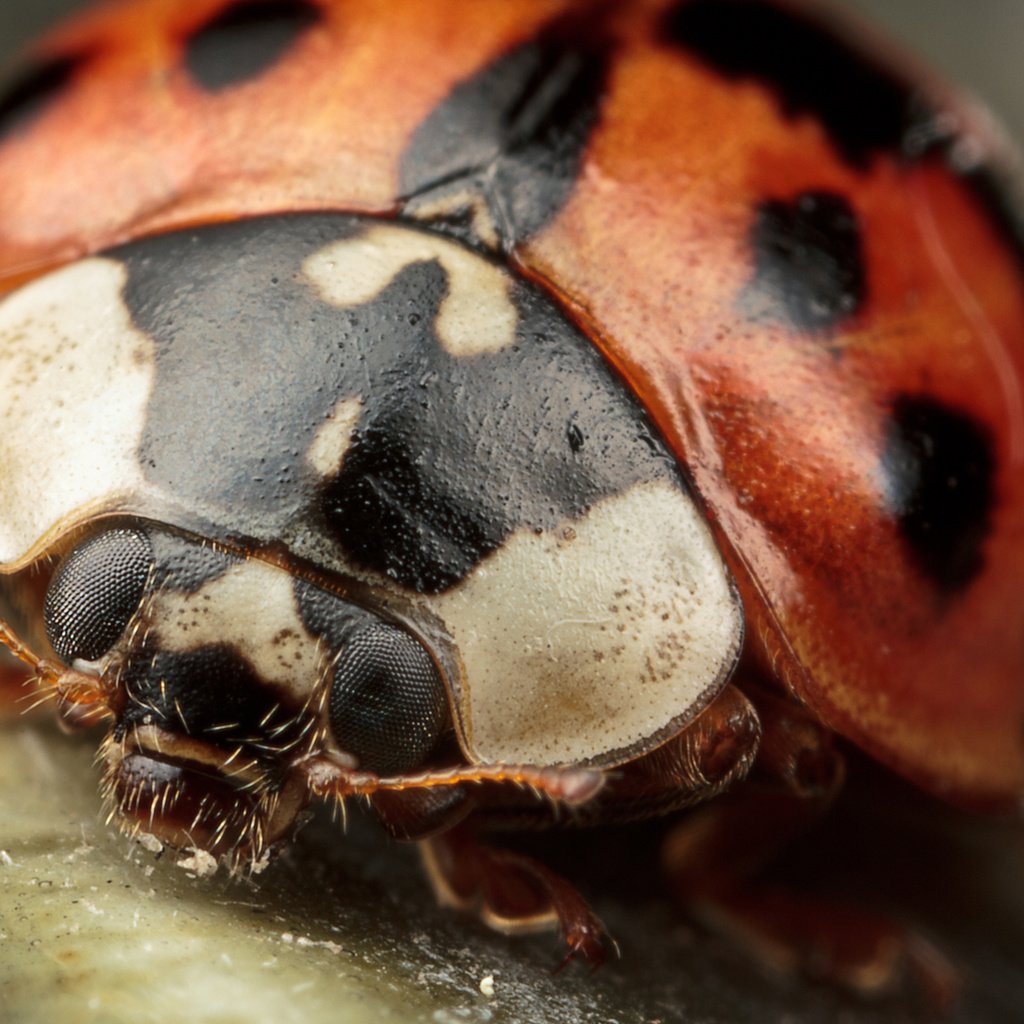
{"points": [[326, 473]]}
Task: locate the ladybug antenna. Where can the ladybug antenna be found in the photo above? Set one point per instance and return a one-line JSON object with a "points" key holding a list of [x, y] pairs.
{"points": [[19, 649], [83, 699], [564, 785]]}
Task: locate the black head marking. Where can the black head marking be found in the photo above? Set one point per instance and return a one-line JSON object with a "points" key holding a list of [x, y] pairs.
{"points": [[449, 453], [33, 91], [864, 107], [809, 265], [211, 691], [939, 469], [245, 39], [514, 133]]}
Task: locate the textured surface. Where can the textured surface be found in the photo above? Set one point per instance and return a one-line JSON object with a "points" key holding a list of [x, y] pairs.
{"points": [[97, 930]]}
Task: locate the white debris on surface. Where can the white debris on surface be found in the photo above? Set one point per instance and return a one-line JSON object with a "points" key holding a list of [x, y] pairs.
{"points": [[199, 862], [150, 842]]}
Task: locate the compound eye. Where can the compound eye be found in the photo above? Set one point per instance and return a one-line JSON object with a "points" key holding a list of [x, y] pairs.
{"points": [[95, 592], [388, 702]]}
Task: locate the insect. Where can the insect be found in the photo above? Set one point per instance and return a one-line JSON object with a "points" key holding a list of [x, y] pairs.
{"points": [[510, 414]]}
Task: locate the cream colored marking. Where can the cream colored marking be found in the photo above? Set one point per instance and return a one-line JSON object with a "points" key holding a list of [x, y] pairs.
{"points": [[456, 202], [327, 452], [76, 377], [476, 316], [253, 608], [591, 639]]}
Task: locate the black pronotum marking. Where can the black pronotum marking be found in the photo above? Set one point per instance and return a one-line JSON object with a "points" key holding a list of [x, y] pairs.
{"points": [[33, 91], [210, 692], [245, 40], [450, 454], [808, 259], [939, 469], [515, 132], [864, 106]]}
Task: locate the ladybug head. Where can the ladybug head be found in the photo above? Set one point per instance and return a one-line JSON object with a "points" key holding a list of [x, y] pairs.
{"points": [[223, 674]]}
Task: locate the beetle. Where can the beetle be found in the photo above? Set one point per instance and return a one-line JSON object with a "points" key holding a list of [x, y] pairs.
{"points": [[436, 404]]}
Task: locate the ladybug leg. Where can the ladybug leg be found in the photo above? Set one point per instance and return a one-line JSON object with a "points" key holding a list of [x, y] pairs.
{"points": [[712, 855], [81, 700], [708, 756], [512, 893]]}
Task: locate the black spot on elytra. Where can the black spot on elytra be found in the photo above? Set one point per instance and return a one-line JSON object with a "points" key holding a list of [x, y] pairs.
{"points": [[450, 454], [514, 133], [938, 467], [863, 106], [809, 265], [246, 39], [33, 91]]}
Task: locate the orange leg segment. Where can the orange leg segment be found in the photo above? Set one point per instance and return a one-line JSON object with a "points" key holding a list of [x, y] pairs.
{"points": [[713, 856], [511, 892]]}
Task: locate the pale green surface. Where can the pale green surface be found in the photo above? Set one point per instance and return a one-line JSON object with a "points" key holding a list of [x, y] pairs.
{"points": [[96, 930]]}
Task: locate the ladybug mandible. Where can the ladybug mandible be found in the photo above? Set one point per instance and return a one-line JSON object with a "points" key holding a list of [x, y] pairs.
{"points": [[448, 403]]}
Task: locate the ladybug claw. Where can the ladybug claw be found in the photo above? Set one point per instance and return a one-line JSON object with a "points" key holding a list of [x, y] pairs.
{"points": [[512, 893], [586, 941]]}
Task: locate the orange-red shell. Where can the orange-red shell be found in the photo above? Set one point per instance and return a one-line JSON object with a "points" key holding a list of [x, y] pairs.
{"points": [[782, 429]]}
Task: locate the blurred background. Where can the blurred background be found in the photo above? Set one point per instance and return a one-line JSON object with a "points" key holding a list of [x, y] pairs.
{"points": [[978, 43]]}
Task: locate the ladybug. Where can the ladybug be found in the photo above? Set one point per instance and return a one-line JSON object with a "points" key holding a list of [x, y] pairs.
{"points": [[513, 414]]}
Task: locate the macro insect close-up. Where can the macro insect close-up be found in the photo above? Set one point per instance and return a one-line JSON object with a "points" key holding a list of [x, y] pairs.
{"points": [[544, 431]]}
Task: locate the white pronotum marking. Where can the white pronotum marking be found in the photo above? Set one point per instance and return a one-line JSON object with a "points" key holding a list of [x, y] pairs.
{"points": [[76, 378], [476, 316], [332, 439], [582, 643]]}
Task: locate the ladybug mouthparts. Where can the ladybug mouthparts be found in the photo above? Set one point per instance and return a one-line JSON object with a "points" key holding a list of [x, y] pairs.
{"points": [[186, 806]]}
